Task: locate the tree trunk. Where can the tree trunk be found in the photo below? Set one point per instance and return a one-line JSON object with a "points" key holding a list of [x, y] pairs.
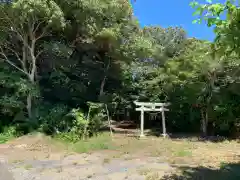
{"points": [[204, 122], [29, 97], [128, 115], [102, 86], [104, 79], [29, 105], [32, 74], [206, 119]]}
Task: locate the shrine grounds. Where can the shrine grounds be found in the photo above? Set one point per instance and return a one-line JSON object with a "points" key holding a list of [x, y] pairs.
{"points": [[121, 157]]}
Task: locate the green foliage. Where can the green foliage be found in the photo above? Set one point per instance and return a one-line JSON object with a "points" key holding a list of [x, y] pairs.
{"points": [[7, 134], [93, 60], [80, 124], [67, 137], [167, 42], [52, 118], [99, 142], [44, 10], [225, 19], [96, 117]]}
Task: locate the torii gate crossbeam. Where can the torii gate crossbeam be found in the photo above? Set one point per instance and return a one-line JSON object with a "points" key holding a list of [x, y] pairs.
{"points": [[155, 107]]}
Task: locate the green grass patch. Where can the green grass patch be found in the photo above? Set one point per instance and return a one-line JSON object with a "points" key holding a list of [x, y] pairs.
{"points": [[99, 142], [28, 167], [183, 153]]}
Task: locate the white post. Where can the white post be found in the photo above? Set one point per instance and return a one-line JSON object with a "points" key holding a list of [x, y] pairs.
{"points": [[163, 123], [142, 123]]}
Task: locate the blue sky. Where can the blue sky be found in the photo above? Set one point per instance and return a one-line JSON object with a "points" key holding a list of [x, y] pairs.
{"points": [[171, 13]]}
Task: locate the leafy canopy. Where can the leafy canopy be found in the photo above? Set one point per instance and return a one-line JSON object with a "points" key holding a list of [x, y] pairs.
{"points": [[224, 17]]}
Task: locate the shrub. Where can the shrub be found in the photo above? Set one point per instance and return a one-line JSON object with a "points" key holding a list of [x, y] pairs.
{"points": [[83, 125], [52, 119], [80, 124], [8, 133]]}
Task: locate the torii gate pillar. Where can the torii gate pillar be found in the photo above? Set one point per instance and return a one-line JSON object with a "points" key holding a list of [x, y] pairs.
{"points": [[142, 124], [156, 107]]}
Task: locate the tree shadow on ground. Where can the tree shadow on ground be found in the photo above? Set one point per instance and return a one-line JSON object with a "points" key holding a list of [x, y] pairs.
{"points": [[122, 127], [225, 172], [190, 137], [131, 128]]}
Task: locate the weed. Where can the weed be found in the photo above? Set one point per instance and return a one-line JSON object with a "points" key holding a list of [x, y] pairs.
{"points": [[106, 160], [8, 134], [128, 158], [89, 176], [153, 176], [144, 172], [75, 163], [59, 169], [17, 161], [99, 142], [28, 166], [115, 156], [183, 153]]}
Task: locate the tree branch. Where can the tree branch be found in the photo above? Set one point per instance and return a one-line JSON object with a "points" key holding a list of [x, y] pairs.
{"points": [[24, 54], [11, 63], [14, 52], [31, 24], [44, 33], [39, 53], [38, 25], [13, 26], [32, 54], [11, 29]]}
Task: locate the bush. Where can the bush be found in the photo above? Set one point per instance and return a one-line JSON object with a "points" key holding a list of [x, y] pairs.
{"points": [[67, 137], [80, 124], [83, 125], [79, 127], [52, 119], [97, 115], [7, 134]]}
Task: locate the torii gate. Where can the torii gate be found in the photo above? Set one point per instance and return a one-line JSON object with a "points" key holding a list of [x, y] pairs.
{"points": [[147, 106]]}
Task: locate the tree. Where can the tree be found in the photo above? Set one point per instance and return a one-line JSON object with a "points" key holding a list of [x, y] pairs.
{"points": [[24, 24], [103, 44], [59, 55], [168, 42], [225, 19]]}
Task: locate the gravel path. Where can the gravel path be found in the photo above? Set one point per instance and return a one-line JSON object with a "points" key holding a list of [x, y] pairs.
{"points": [[96, 166]]}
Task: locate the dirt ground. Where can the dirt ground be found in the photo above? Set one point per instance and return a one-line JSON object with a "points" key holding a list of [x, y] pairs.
{"points": [[40, 158]]}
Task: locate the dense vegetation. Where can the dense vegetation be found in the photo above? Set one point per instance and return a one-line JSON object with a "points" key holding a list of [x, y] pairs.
{"points": [[68, 64]]}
